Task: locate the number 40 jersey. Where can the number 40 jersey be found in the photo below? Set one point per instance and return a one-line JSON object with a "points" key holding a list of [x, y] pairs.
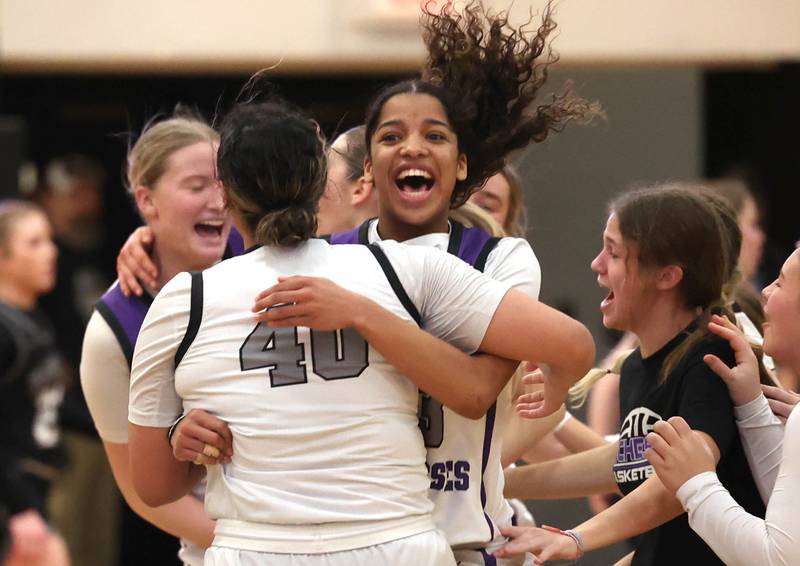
{"points": [[328, 455]]}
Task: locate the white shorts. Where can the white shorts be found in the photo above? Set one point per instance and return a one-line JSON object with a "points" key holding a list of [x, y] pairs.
{"points": [[484, 558], [425, 549]]}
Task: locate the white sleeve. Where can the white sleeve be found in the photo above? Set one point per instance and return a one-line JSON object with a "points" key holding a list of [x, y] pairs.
{"points": [[762, 439], [455, 301], [153, 399], [512, 261], [737, 537], [105, 379]]}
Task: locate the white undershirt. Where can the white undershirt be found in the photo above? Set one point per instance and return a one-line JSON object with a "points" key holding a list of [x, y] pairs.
{"points": [[738, 538]]}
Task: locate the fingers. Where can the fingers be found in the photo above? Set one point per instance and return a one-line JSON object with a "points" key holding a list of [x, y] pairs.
{"points": [[529, 367], [512, 532], [681, 426], [281, 316], [533, 378], [652, 454], [780, 409], [658, 445], [128, 283], [666, 431], [719, 367], [210, 451], [779, 394], [724, 328], [538, 410], [202, 433], [530, 398]]}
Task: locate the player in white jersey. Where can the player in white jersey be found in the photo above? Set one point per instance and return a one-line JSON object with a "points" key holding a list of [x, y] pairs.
{"points": [[328, 459], [422, 169], [172, 180]]}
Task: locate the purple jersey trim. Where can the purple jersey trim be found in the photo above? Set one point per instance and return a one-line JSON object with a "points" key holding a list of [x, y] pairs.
{"points": [[471, 245], [472, 242], [488, 559], [235, 245], [359, 235], [487, 447], [125, 316]]}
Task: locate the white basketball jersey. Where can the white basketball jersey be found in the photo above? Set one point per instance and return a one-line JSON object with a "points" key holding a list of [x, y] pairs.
{"points": [[463, 455], [328, 455]]}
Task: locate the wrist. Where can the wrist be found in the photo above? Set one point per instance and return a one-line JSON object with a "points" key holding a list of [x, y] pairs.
{"points": [[744, 394], [573, 548]]}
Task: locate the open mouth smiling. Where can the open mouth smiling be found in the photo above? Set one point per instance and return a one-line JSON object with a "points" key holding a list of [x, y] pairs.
{"points": [[414, 181], [209, 228]]}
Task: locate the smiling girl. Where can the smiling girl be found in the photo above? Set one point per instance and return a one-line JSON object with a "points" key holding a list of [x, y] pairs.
{"points": [[172, 179], [738, 537], [664, 264]]}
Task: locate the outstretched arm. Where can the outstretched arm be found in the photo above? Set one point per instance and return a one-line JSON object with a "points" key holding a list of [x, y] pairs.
{"points": [[560, 342], [321, 304]]}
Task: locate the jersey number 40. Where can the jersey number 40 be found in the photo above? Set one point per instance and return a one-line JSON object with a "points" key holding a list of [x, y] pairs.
{"points": [[337, 354]]}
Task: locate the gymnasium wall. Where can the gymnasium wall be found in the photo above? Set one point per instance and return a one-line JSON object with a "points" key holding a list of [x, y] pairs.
{"points": [[312, 36]]}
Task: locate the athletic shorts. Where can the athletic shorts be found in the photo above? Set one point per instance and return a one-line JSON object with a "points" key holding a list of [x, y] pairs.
{"points": [[483, 557], [425, 549]]}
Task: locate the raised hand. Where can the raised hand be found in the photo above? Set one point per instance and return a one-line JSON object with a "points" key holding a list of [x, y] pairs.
{"points": [[546, 400], [742, 379]]}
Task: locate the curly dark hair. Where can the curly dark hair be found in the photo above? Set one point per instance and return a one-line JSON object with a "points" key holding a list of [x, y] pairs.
{"points": [[271, 160], [487, 74]]}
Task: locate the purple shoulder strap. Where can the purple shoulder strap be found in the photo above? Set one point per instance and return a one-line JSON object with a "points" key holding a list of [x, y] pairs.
{"points": [[471, 245], [125, 316], [235, 245], [358, 235]]}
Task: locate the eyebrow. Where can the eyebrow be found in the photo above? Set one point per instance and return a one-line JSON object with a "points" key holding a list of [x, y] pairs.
{"points": [[490, 196], [429, 121], [610, 240]]}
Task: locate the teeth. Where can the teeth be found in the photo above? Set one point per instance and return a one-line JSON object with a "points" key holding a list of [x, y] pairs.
{"points": [[213, 223], [414, 173]]}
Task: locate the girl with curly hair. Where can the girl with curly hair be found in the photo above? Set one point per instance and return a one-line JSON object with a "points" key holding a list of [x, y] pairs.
{"points": [[432, 142]]}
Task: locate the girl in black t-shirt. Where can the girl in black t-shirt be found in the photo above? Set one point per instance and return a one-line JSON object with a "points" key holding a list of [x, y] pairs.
{"points": [[32, 379], [667, 254]]}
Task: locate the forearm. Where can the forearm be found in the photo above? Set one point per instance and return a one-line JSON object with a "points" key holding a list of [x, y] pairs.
{"points": [[185, 518], [647, 507], [522, 329], [577, 475], [523, 435], [577, 437], [157, 477], [737, 537], [762, 438], [466, 384]]}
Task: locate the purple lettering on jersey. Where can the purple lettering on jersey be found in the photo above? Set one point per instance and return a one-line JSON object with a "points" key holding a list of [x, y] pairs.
{"points": [[449, 475], [125, 316]]}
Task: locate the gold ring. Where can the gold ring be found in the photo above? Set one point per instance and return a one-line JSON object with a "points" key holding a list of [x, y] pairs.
{"points": [[211, 451], [198, 460]]}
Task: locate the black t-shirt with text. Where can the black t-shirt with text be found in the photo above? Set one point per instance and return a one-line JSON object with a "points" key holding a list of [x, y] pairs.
{"points": [[32, 379], [697, 394]]}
